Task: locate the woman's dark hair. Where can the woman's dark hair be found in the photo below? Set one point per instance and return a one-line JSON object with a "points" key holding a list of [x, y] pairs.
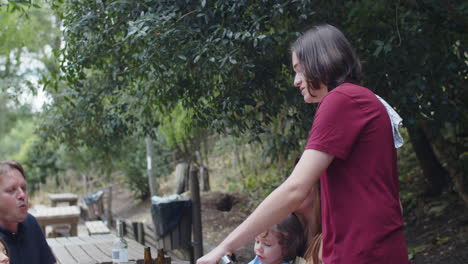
{"points": [[291, 237], [5, 246], [326, 57]]}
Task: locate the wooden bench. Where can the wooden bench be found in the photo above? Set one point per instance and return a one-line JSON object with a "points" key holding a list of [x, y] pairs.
{"points": [[65, 215], [69, 198], [96, 228]]}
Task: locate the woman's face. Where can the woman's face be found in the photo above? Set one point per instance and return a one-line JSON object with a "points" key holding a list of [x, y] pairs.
{"points": [[310, 94], [3, 254]]}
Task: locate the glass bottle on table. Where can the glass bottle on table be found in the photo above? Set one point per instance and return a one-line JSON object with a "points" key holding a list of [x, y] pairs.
{"points": [[160, 258], [119, 246], [147, 257]]}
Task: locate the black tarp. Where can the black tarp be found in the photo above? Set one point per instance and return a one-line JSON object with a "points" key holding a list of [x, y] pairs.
{"points": [[167, 213]]}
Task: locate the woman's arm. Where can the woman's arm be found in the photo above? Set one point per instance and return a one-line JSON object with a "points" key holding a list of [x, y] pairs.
{"points": [[281, 202]]}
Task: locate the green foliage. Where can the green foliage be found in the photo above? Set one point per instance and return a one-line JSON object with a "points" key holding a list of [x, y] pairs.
{"points": [[422, 75], [175, 127], [91, 116], [237, 165], [40, 162], [25, 32], [407, 162], [18, 6], [128, 65], [24, 37], [16, 142], [133, 164], [12, 112], [134, 168]]}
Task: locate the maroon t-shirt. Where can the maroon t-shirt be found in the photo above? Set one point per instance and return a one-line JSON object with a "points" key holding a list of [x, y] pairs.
{"points": [[361, 217]]}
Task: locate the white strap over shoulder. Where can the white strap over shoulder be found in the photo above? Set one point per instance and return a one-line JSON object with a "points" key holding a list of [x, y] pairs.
{"points": [[397, 123]]}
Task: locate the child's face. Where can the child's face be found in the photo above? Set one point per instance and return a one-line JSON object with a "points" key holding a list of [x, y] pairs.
{"points": [[3, 256], [268, 249]]}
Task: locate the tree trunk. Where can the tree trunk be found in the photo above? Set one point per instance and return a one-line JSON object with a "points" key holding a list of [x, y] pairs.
{"points": [[434, 173], [181, 175], [197, 233], [456, 158], [150, 169], [205, 179]]}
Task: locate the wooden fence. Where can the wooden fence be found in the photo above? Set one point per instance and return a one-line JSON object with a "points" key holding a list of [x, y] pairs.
{"points": [[178, 239], [190, 244]]}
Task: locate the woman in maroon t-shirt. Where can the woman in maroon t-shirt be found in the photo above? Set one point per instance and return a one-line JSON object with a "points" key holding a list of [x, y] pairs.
{"points": [[350, 148]]}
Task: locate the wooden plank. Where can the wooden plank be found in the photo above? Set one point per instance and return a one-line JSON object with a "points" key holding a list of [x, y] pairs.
{"points": [[151, 244], [108, 237], [62, 254], [167, 242], [69, 198], [80, 254], [97, 254], [52, 242], [108, 191], [96, 228], [130, 230], [186, 230], [135, 250], [62, 240], [141, 233], [150, 236], [176, 237], [75, 241], [105, 248]]}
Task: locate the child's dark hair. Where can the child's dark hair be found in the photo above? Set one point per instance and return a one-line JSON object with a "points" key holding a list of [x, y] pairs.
{"points": [[291, 237]]}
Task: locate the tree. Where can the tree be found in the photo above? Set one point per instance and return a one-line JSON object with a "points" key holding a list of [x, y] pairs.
{"points": [[228, 63], [25, 34], [414, 56], [183, 51]]}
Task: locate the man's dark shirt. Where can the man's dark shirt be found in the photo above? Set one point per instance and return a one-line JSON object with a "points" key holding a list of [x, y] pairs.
{"points": [[28, 245]]}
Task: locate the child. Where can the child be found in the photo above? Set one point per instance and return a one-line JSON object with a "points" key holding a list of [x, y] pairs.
{"points": [[3, 252], [281, 243]]}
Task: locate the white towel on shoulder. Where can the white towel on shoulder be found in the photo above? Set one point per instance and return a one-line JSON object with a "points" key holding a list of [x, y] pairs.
{"points": [[396, 123]]}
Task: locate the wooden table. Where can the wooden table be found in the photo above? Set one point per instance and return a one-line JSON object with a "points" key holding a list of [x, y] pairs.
{"points": [[70, 198], [95, 250], [58, 215]]}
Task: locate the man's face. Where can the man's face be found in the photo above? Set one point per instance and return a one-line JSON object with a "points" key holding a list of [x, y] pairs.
{"points": [[13, 199]]}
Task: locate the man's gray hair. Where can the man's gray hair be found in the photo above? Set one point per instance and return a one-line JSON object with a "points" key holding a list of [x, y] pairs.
{"points": [[8, 165]]}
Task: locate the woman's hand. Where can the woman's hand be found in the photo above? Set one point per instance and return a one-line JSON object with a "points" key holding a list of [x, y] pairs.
{"points": [[213, 256]]}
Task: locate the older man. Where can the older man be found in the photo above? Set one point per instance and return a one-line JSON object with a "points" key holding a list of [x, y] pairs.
{"points": [[20, 230]]}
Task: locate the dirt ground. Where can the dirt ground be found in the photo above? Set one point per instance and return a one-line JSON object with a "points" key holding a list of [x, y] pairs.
{"points": [[436, 230]]}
